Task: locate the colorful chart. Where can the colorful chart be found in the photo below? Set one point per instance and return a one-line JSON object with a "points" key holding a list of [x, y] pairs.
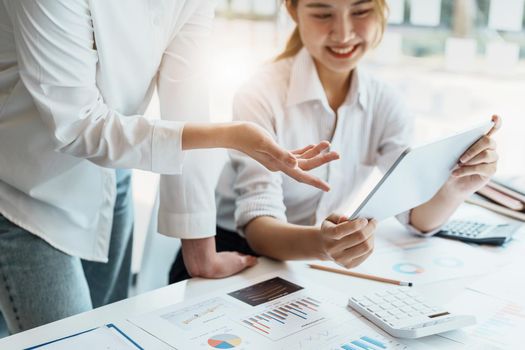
{"points": [[408, 268], [371, 343], [301, 309], [224, 341]]}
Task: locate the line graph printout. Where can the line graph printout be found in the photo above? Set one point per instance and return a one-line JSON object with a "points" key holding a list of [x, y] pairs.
{"points": [[268, 313], [197, 315]]}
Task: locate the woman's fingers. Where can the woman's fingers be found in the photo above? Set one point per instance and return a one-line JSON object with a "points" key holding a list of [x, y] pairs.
{"points": [[348, 261], [296, 172], [485, 157], [485, 170], [312, 163], [484, 143], [314, 151], [354, 255], [339, 231], [354, 239], [280, 154], [348, 243], [302, 176], [300, 151], [497, 125], [333, 218], [296, 163], [481, 145]]}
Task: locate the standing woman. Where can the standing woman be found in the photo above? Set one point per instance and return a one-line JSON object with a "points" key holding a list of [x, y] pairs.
{"points": [[316, 90], [75, 78]]}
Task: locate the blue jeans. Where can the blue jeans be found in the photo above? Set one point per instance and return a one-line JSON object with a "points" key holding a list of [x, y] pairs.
{"points": [[40, 284]]}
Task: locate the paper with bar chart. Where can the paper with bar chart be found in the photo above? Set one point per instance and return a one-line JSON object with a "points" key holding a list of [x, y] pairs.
{"points": [[270, 313], [282, 308]]}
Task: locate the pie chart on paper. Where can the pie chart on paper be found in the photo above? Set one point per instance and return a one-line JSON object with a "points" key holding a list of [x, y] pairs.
{"points": [[224, 341]]}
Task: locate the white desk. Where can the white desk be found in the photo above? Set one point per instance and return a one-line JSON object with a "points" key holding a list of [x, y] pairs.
{"points": [[441, 292]]}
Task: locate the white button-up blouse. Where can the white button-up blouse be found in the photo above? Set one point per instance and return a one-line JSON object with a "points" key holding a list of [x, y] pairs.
{"points": [[75, 78], [372, 128]]}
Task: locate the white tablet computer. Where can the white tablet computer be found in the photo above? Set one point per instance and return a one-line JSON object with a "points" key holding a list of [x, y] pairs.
{"points": [[417, 175]]}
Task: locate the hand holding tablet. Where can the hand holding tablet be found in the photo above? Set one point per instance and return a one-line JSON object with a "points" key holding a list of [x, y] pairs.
{"points": [[419, 173]]}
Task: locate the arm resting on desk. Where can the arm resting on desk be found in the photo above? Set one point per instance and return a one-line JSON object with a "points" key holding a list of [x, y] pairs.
{"points": [[202, 260], [347, 243]]}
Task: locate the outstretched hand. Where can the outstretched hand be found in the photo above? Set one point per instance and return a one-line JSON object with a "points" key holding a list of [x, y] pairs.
{"points": [[257, 143]]}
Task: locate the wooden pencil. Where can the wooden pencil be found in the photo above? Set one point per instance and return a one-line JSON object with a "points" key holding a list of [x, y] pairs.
{"points": [[361, 275]]}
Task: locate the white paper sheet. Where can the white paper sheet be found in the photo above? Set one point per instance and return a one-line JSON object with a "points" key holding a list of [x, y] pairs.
{"points": [[425, 12], [500, 323], [507, 283], [427, 261], [506, 15]]}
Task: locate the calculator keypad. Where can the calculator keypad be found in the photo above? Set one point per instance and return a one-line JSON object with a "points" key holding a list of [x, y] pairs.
{"points": [[401, 308], [465, 228]]}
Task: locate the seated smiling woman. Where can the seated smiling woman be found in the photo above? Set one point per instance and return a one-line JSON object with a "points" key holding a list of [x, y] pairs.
{"points": [[314, 91]]}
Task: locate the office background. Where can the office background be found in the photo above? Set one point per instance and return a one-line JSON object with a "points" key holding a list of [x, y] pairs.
{"points": [[455, 61]]}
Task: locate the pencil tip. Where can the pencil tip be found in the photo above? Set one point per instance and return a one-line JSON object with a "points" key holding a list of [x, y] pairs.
{"points": [[410, 284]]}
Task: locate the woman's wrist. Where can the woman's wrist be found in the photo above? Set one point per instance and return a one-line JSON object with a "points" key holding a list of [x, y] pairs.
{"points": [[229, 135], [317, 246], [451, 193], [211, 135]]}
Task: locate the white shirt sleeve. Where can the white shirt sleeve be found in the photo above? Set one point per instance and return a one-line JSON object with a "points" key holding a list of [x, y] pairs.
{"points": [[187, 201], [398, 125], [57, 60], [258, 191]]}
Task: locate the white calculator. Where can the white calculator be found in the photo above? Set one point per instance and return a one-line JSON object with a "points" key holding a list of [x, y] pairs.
{"points": [[403, 313]]}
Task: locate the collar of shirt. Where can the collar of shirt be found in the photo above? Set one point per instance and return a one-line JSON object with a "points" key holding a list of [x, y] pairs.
{"points": [[305, 84]]}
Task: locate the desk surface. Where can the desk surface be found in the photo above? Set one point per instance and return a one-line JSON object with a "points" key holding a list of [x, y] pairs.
{"points": [[441, 292]]}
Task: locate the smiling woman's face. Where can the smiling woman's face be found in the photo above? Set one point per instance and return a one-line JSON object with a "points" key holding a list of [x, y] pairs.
{"points": [[337, 33]]}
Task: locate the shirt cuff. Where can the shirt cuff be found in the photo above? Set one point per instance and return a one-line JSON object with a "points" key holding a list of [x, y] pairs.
{"points": [[187, 226], [404, 219], [256, 207], [167, 156]]}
